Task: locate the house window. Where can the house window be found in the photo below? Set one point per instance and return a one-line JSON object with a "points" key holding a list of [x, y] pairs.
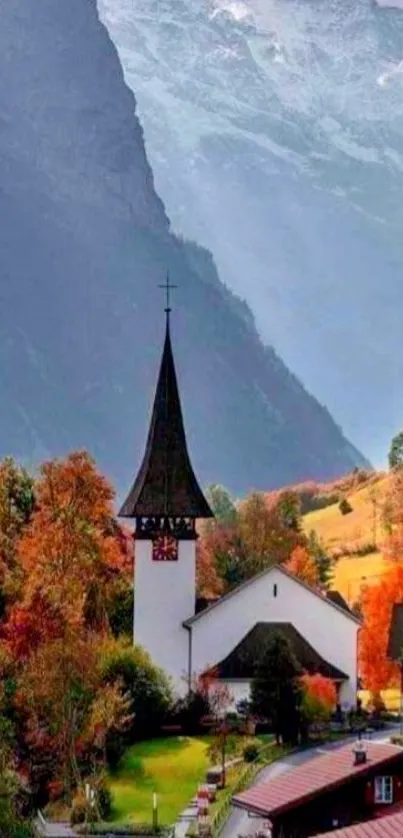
{"points": [[274, 590], [383, 789]]}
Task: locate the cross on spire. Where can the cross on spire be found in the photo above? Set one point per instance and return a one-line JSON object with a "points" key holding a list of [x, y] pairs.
{"points": [[168, 286]]}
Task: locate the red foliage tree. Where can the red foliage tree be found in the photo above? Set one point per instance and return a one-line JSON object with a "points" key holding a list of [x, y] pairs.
{"points": [[320, 689], [377, 671]]}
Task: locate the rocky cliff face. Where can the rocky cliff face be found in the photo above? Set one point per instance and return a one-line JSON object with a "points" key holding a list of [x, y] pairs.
{"points": [[275, 132], [84, 243]]}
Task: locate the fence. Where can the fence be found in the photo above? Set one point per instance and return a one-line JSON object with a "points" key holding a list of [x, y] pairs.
{"points": [[244, 780]]}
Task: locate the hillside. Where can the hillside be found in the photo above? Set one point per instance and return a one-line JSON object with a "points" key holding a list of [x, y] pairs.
{"points": [[84, 243], [355, 540]]}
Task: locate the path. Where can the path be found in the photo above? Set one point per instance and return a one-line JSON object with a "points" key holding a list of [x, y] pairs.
{"points": [[54, 830], [239, 823]]}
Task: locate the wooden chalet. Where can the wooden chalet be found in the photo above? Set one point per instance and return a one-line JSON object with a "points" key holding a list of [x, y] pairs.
{"points": [[345, 786]]}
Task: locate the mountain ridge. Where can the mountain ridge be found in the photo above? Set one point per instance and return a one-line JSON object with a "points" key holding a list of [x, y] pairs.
{"points": [[85, 242], [275, 131]]}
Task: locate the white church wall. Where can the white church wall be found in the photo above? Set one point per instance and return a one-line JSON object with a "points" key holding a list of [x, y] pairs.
{"points": [[276, 597], [238, 690], [164, 598]]}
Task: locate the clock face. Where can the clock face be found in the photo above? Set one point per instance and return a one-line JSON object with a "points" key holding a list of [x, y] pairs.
{"points": [[165, 548]]}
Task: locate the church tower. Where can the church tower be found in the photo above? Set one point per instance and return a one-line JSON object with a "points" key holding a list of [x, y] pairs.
{"points": [[165, 501]]}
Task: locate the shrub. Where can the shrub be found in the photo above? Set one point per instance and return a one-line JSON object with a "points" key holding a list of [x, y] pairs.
{"points": [[345, 507], [104, 798], [190, 713], [145, 684], [396, 739], [376, 704], [250, 752], [114, 748], [79, 809]]}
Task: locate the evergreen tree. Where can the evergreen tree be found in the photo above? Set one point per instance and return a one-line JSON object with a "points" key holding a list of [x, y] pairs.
{"points": [[222, 504], [289, 508], [323, 562], [395, 456], [275, 692]]}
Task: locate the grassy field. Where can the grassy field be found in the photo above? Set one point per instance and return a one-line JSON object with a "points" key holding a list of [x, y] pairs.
{"points": [[351, 573], [342, 534], [361, 526], [172, 767]]}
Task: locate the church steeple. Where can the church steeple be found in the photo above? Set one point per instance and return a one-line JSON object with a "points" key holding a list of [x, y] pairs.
{"points": [[166, 484]]}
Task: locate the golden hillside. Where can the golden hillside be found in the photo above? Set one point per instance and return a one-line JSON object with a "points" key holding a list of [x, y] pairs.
{"points": [[348, 536]]}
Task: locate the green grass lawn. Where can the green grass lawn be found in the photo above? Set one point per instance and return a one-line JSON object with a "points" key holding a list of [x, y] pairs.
{"points": [[172, 767]]}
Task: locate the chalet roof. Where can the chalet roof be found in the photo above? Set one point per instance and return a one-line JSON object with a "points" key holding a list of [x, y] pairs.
{"points": [[395, 643], [389, 826], [241, 662], [314, 778], [275, 567], [166, 484]]}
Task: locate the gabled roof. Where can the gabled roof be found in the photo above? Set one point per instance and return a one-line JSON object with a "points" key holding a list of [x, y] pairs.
{"points": [[338, 599], [166, 484], [389, 826], [241, 662], [312, 779], [192, 619]]}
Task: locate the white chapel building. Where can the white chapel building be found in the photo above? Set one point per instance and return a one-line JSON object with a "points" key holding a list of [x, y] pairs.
{"points": [[166, 502]]}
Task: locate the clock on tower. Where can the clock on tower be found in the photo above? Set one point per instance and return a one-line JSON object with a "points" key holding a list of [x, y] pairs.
{"points": [[166, 501], [165, 548]]}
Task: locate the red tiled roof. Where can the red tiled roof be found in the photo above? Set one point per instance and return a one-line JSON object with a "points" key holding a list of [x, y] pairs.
{"points": [[390, 826], [312, 778]]}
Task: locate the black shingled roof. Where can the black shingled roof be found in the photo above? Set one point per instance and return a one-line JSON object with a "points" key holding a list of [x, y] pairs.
{"points": [[241, 662], [166, 484]]}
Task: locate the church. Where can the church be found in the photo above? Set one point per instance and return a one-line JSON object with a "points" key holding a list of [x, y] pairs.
{"points": [[166, 502]]}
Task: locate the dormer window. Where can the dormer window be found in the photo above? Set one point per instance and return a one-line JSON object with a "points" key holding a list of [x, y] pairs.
{"points": [[383, 789]]}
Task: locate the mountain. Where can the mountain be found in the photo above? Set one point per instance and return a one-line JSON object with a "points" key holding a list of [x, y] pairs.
{"points": [[84, 243], [275, 132]]}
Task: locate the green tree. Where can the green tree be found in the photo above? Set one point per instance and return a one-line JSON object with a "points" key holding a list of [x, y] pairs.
{"points": [[16, 505], [12, 825], [289, 510], [222, 504], [275, 689], [395, 456], [323, 561], [145, 685], [120, 610]]}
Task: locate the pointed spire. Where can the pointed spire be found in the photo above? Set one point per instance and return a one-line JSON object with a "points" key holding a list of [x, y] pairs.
{"points": [[166, 484]]}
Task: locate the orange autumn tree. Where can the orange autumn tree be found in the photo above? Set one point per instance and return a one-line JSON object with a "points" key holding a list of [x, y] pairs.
{"points": [[377, 671], [301, 564], [72, 552], [72, 558], [67, 709]]}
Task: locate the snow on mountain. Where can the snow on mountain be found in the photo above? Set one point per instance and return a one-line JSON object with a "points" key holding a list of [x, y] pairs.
{"points": [[84, 244], [275, 131]]}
